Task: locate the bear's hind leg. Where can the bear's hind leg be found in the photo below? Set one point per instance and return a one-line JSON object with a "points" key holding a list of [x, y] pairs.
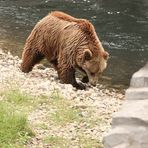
{"points": [[29, 59]]}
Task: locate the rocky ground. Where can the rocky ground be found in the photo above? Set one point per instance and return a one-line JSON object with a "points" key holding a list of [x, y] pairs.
{"points": [[95, 106]]}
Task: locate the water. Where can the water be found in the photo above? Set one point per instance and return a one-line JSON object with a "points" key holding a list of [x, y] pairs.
{"points": [[122, 26]]}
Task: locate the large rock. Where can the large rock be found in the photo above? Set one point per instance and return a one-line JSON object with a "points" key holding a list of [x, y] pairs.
{"points": [[137, 93], [133, 113], [127, 137], [130, 124]]}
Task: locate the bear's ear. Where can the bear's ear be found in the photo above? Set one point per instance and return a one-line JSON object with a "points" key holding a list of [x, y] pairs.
{"points": [[105, 55], [87, 55]]}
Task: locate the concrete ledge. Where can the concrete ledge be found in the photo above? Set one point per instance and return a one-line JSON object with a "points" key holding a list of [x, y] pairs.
{"points": [[133, 113], [127, 137], [137, 93], [130, 124]]}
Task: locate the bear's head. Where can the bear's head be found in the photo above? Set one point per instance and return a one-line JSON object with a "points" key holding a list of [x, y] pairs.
{"points": [[93, 63], [91, 56]]}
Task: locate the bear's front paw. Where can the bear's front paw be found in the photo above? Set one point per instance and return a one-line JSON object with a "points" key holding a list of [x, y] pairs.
{"points": [[80, 86]]}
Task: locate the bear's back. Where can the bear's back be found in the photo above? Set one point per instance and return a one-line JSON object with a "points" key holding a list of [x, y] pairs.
{"points": [[84, 25]]}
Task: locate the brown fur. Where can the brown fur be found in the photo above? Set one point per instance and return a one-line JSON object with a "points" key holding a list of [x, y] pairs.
{"points": [[68, 43]]}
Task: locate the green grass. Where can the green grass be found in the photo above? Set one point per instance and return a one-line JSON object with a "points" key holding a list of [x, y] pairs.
{"points": [[60, 142], [13, 126], [87, 142], [24, 102], [57, 142], [63, 116], [43, 126], [90, 119], [63, 113], [14, 129], [16, 97]]}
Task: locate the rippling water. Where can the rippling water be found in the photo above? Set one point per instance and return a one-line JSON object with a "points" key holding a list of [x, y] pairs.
{"points": [[122, 26]]}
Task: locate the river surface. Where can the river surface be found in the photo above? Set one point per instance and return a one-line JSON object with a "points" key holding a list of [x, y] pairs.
{"points": [[122, 26]]}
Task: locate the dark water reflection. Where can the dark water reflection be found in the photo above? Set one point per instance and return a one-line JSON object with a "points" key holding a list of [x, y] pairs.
{"points": [[121, 25]]}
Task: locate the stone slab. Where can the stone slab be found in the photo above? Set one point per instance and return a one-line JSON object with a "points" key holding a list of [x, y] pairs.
{"points": [[127, 137], [133, 112], [137, 93], [130, 124]]}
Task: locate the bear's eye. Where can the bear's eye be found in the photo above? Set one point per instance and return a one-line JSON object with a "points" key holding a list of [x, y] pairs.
{"points": [[92, 73]]}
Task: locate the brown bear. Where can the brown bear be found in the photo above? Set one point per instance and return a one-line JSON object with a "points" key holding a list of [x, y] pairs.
{"points": [[69, 44]]}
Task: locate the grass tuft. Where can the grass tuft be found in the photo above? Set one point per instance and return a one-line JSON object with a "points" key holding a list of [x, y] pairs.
{"points": [[17, 97], [87, 142], [42, 126], [63, 112], [14, 129], [56, 141], [13, 126], [66, 115]]}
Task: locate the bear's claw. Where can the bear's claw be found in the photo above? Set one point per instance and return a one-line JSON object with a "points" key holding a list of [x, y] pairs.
{"points": [[85, 79], [80, 86]]}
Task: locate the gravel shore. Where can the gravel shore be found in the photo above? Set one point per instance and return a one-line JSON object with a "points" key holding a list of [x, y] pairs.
{"points": [[101, 101]]}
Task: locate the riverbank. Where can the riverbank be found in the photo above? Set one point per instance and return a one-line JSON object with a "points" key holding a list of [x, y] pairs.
{"points": [[89, 112]]}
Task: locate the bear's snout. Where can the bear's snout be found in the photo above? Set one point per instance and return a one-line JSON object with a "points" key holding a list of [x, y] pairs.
{"points": [[25, 69], [93, 80]]}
